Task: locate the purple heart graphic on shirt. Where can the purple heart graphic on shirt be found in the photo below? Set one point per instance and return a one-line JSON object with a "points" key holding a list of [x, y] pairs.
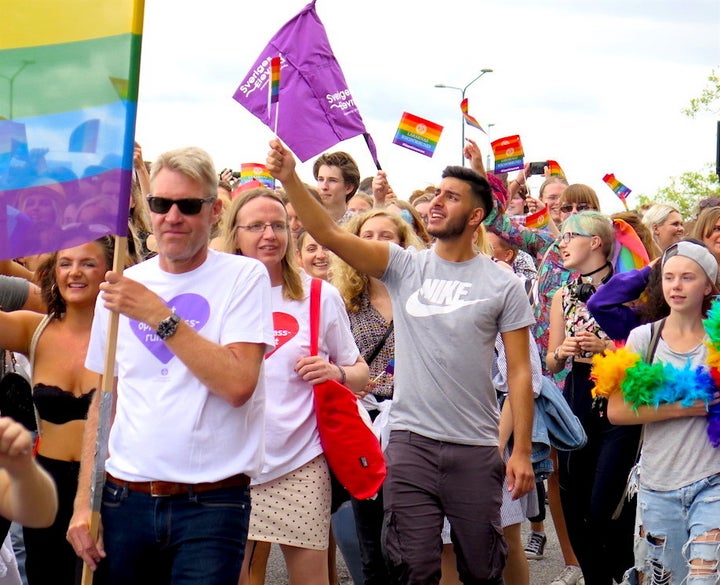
{"points": [[192, 308]]}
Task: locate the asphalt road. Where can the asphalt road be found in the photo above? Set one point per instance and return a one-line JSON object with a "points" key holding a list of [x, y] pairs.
{"points": [[542, 572]]}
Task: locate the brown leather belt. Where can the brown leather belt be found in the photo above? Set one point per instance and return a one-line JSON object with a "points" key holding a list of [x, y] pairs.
{"points": [[159, 489]]}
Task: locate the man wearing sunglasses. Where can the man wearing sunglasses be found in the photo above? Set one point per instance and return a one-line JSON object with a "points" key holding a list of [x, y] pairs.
{"points": [[187, 430]]}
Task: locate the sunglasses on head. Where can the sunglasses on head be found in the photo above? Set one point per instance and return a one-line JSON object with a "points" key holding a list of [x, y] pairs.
{"points": [[579, 207], [191, 206]]}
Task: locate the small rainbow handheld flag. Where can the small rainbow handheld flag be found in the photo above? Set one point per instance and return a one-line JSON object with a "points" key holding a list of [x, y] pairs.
{"points": [[508, 154], [275, 80], [555, 169], [256, 172], [539, 219], [620, 190], [417, 134], [468, 118]]}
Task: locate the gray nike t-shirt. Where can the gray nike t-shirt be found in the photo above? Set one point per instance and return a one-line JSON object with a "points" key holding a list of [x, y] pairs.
{"points": [[447, 315]]}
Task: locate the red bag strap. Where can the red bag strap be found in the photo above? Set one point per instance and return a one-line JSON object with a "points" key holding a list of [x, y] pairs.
{"points": [[315, 289]]}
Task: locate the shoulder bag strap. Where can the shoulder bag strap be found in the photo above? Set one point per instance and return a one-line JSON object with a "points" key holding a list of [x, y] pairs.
{"points": [[315, 290], [380, 344], [36, 336]]}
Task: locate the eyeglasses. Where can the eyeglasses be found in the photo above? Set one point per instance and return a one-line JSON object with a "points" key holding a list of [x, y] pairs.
{"points": [[579, 207], [278, 227], [567, 236], [191, 206]]}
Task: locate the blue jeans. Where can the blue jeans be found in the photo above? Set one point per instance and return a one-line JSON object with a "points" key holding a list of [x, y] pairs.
{"points": [[672, 521], [196, 539]]}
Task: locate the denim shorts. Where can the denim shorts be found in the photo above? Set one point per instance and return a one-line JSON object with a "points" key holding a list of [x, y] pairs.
{"points": [[671, 521]]}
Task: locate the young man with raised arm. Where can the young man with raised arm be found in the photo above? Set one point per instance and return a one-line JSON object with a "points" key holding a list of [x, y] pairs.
{"points": [[449, 303]]}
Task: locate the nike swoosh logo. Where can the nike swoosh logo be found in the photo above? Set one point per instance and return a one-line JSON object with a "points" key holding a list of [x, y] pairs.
{"points": [[416, 308]]}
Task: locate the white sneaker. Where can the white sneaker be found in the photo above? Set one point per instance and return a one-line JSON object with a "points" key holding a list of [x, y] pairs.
{"points": [[569, 576]]}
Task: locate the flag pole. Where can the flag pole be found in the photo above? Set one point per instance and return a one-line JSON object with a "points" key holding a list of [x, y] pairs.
{"points": [[97, 480]]}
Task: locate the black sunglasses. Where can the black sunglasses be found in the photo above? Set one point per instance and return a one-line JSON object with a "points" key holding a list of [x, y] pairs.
{"points": [[190, 206], [568, 207]]}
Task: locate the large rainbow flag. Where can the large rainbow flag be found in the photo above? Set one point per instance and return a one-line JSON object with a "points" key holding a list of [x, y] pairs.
{"points": [[508, 154], [417, 134], [70, 71]]}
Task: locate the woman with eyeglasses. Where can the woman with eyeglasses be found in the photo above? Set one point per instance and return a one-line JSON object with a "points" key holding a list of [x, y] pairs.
{"points": [[543, 245], [56, 344], [291, 497], [592, 479]]}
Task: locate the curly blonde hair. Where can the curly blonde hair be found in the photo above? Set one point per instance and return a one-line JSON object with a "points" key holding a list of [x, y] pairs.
{"points": [[353, 284]]}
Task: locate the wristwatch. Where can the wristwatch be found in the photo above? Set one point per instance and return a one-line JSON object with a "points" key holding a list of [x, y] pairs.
{"points": [[168, 326]]}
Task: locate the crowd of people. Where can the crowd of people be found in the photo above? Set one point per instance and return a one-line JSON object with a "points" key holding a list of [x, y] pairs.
{"points": [[444, 312]]}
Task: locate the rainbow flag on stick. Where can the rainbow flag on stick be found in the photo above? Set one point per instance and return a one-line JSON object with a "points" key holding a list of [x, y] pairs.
{"points": [[620, 190], [508, 154], [555, 170], [469, 120], [539, 219], [70, 126], [417, 134], [274, 89], [275, 80]]}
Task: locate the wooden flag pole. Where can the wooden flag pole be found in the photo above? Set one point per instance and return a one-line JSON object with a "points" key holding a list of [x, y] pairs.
{"points": [[103, 430]]}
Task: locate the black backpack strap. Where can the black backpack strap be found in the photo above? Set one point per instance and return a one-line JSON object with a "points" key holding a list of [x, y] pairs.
{"points": [[656, 330]]}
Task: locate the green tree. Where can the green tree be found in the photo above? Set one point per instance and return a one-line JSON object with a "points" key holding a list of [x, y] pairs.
{"points": [[685, 191], [709, 98]]}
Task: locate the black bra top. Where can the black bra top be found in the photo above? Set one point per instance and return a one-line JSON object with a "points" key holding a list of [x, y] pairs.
{"points": [[59, 406]]}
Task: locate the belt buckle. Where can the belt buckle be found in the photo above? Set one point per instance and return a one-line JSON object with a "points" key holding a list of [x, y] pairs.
{"points": [[157, 491]]}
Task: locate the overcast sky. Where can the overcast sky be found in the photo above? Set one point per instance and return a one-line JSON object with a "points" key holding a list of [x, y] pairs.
{"points": [[598, 86]]}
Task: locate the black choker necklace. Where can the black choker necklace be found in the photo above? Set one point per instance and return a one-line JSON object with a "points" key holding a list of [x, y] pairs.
{"points": [[596, 270]]}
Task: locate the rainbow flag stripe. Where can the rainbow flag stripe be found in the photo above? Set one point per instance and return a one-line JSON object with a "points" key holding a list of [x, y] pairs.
{"points": [[555, 169], [629, 253], [275, 80], [67, 131], [539, 219], [468, 118], [508, 154], [256, 172], [417, 134]]}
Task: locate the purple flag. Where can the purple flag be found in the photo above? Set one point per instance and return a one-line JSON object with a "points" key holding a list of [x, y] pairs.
{"points": [[318, 108]]}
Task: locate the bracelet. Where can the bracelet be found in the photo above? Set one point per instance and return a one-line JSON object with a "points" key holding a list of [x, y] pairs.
{"points": [[557, 357], [343, 375]]}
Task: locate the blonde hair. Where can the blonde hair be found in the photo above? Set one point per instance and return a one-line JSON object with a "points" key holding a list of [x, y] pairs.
{"points": [[353, 284], [481, 241], [292, 288]]}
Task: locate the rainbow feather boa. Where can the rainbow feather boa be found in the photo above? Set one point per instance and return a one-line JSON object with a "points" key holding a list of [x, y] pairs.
{"points": [[644, 384]]}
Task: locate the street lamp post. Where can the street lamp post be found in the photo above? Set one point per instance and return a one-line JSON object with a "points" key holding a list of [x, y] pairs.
{"points": [[487, 158], [462, 90], [11, 81]]}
